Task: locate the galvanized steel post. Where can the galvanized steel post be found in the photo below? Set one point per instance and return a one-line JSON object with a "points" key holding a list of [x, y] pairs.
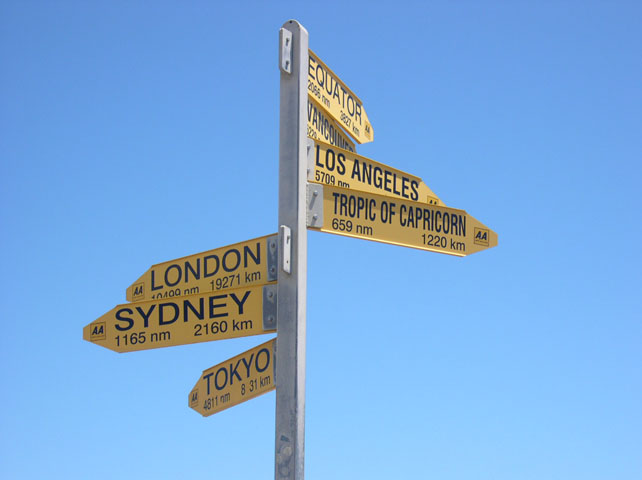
{"points": [[292, 275]]}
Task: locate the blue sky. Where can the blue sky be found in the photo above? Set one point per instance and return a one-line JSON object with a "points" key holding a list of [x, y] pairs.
{"points": [[132, 133]]}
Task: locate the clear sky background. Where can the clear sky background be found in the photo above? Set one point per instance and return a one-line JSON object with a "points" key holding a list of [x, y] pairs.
{"points": [[133, 133]]}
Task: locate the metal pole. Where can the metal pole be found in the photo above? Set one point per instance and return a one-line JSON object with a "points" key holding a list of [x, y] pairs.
{"points": [[292, 275]]}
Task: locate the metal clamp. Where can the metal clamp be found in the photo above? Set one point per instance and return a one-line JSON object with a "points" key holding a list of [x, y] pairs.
{"points": [[272, 257], [286, 246], [269, 307], [285, 57], [314, 204]]}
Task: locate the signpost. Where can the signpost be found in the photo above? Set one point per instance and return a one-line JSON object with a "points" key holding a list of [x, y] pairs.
{"points": [[242, 289], [329, 91], [203, 317], [334, 166], [252, 262], [235, 381], [396, 221], [293, 253]]}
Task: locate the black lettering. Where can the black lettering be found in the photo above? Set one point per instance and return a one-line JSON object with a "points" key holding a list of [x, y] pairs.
{"points": [[387, 181], [247, 365], [266, 353], [241, 302], [414, 185], [178, 277], [161, 309], [234, 372], [187, 306], [196, 273], [216, 382], [154, 287], [213, 306], [404, 187], [394, 184], [378, 178], [145, 315], [341, 158], [227, 254], [206, 272], [247, 252], [356, 173], [121, 318], [207, 377]]}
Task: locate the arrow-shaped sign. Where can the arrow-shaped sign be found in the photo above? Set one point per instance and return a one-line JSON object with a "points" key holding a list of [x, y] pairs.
{"points": [[235, 381], [329, 91], [396, 221], [188, 319], [252, 262], [334, 166]]}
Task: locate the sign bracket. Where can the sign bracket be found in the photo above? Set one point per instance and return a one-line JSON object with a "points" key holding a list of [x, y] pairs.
{"points": [[272, 257], [269, 307], [314, 201], [286, 246], [286, 51]]}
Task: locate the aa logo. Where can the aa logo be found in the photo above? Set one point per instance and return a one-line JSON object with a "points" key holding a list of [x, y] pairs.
{"points": [[98, 331], [193, 398], [138, 291], [481, 237]]}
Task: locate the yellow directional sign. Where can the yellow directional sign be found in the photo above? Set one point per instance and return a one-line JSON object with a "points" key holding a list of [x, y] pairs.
{"points": [[327, 89], [188, 319], [324, 128], [252, 262], [396, 221], [235, 381], [334, 166]]}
